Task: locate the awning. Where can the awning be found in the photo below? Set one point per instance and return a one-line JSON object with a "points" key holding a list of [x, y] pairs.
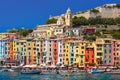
{"points": [[62, 66], [81, 66], [30, 66], [52, 66]]}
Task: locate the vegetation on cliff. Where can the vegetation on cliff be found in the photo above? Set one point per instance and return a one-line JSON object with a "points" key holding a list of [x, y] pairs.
{"points": [[23, 32]]}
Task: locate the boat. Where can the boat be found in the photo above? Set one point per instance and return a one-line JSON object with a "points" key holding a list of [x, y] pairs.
{"points": [[95, 71], [66, 73], [113, 72], [7, 70], [30, 72]]}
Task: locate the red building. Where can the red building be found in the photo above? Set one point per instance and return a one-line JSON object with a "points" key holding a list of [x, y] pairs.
{"points": [[89, 55], [90, 30]]}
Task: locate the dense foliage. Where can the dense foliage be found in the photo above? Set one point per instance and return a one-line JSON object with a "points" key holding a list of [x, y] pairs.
{"points": [[94, 11], [23, 32], [77, 21], [117, 5], [51, 21]]}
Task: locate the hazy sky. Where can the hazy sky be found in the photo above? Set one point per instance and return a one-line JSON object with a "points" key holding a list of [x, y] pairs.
{"points": [[29, 13]]}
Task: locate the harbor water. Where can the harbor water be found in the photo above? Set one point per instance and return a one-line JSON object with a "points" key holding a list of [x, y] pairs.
{"points": [[53, 76]]}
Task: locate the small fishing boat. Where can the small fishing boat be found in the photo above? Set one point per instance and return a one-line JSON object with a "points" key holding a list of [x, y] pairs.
{"points": [[113, 72], [95, 71], [7, 70], [30, 72]]}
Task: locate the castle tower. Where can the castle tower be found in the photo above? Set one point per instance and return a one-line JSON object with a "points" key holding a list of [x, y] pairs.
{"points": [[68, 18]]}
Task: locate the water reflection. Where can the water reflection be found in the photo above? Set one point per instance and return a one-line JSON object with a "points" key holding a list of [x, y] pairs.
{"points": [[77, 76]]}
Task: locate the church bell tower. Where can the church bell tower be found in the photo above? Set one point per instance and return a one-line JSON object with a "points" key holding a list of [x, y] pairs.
{"points": [[68, 18]]}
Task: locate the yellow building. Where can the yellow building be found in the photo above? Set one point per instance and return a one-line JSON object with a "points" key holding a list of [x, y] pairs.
{"points": [[77, 52], [99, 51], [14, 50], [67, 53], [82, 46], [118, 51], [33, 54], [21, 50]]}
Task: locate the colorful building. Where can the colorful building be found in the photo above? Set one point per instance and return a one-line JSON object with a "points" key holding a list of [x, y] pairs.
{"points": [[2, 49]]}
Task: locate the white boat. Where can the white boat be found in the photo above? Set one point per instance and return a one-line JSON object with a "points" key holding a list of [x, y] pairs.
{"points": [[113, 72], [95, 71], [7, 70]]}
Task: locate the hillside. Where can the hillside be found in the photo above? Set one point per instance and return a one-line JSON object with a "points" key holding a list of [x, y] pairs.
{"points": [[105, 11]]}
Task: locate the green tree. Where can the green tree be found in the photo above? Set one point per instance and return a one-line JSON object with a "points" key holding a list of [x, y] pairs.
{"points": [[23, 32], [90, 38], [77, 21], [116, 35], [94, 11], [14, 30], [51, 21]]}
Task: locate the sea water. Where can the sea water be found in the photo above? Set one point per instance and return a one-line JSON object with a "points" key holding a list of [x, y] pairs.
{"points": [[75, 76]]}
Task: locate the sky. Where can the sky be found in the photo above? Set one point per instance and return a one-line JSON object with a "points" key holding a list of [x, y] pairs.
{"points": [[30, 13]]}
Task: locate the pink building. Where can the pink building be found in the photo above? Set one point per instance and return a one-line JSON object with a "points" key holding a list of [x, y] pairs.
{"points": [[114, 53], [9, 35]]}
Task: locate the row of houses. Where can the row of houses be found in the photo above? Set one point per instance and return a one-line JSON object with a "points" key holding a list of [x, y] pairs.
{"points": [[63, 51]]}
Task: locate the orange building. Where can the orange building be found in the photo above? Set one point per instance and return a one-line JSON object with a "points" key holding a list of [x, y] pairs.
{"points": [[89, 55], [33, 55], [11, 50], [55, 52]]}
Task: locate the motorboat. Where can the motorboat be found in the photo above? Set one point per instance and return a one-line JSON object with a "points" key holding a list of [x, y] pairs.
{"points": [[7, 70], [95, 71], [30, 72], [113, 71]]}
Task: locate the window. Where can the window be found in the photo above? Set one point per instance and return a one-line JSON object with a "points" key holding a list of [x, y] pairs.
{"points": [[82, 52], [109, 61], [105, 51], [66, 59], [60, 55], [72, 54], [60, 50], [48, 32], [56, 30], [105, 61], [60, 60], [50, 49], [60, 46], [81, 61], [60, 30], [82, 47], [76, 50], [109, 56], [77, 55], [37, 45], [99, 54], [71, 59], [29, 48], [110, 51], [28, 44], [72, 50], [81, 56], [66, 54], [55, 50], [67, 50]]}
